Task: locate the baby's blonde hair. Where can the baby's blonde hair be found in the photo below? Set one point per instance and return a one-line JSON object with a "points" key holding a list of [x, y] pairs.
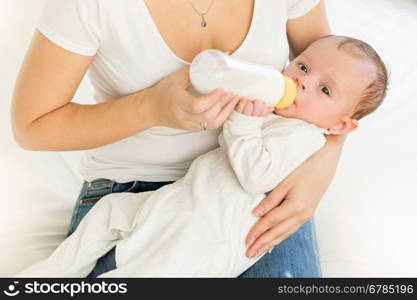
{"points": [[374, 94]]}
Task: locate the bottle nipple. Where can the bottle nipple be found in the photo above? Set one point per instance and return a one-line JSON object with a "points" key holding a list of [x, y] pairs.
{"points": [[289, 94]]}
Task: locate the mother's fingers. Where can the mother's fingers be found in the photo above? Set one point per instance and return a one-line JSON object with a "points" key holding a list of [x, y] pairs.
{"points": [[207, 101], [224, 113], [211, 114], [274, 198], [274, 217], [273, 236]]}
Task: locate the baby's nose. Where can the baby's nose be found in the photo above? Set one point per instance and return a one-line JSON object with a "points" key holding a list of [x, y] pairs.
{"points": [[301, 84]]}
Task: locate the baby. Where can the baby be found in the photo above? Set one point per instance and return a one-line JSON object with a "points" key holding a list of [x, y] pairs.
{"points": [[196, 227]]}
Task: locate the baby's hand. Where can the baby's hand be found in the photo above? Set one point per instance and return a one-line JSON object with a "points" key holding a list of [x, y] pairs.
{"points": [[253, 108]]}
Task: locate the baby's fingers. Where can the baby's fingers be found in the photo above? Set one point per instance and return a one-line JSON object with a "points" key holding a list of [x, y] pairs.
{"points": [[248, 109], [240, 105], [258, 108], [264, 109], [267, 110]]}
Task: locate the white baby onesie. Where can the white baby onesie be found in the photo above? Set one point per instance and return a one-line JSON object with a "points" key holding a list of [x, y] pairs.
{"points": [[195, 227]]}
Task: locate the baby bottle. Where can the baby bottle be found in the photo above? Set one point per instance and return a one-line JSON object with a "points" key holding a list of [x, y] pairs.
{"points": [[213, 69]]}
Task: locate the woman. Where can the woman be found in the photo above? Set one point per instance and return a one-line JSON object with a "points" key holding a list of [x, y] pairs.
{"points": [[146, 127]]}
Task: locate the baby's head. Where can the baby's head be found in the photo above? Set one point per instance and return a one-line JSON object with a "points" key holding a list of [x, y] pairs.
{"points": [[339, 81]]}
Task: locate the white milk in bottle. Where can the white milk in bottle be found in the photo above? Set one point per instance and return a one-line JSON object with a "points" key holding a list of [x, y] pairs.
{"points": [[213, 69]]}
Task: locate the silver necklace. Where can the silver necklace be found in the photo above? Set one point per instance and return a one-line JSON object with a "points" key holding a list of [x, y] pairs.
{"points": [[203, 21]]}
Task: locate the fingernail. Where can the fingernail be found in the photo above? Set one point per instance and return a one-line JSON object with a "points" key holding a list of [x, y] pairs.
{"points": [[259, 210], [259, 253], [251, 253], [270, 250]]}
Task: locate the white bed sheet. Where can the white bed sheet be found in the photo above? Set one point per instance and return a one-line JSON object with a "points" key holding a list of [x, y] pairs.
{"points": [[366, 222]]}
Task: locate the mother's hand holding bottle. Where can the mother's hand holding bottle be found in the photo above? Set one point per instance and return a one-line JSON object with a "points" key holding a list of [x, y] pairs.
{"points": [[170, 104]]}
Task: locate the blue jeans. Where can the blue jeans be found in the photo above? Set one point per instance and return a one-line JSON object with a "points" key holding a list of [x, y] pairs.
{"points": [[297, 256]]}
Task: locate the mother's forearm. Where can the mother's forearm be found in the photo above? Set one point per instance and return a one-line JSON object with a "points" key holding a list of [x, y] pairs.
{"points": [[335, 143], [79, 127], [330, 152]]}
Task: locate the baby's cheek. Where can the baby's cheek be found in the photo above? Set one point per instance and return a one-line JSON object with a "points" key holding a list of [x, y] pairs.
{"points": [[310, 113]]}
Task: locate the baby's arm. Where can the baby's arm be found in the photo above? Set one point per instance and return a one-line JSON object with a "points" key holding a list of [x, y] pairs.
{"points": [[262, 158]]}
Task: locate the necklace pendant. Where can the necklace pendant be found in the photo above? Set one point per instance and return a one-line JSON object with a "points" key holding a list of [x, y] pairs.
{"points": [[203, 22]]}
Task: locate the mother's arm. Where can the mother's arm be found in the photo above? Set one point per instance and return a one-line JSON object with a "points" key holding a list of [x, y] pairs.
{"points": [[294, 200], [304, 30], [45, 119]]}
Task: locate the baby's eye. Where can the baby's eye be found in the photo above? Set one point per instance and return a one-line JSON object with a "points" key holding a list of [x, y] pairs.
{"points": [[302, 68], [325, 90]]}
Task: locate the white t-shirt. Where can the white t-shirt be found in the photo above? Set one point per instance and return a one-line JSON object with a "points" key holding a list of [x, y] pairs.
{"points": [[130, 55]]}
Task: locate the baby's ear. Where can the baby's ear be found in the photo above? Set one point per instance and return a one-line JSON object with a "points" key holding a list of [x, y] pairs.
{"points": [[344, 127]]}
